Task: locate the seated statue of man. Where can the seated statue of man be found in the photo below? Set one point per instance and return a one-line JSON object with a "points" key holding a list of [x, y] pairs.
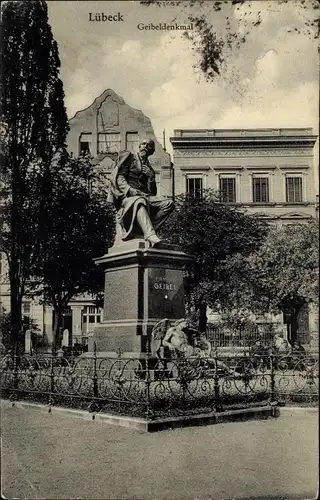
{"points": [[133, 191]]}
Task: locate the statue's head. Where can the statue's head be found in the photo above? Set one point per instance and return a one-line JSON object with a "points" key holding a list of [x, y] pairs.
{"points": [[147, 148]]}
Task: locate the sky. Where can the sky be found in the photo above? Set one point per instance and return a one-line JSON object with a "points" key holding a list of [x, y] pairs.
{"points": [[270, 81]]}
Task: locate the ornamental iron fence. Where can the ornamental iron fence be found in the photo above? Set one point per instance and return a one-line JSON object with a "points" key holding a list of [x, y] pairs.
{"points": [[158, 387], [221, 336], [245, 336]]}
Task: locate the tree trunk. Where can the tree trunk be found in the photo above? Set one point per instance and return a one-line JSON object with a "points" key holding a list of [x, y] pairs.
{"points": [[16, 292], [57, 324], [293, 325], [202, 316], [15, 306]]}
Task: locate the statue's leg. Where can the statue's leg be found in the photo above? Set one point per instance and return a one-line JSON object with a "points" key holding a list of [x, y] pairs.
{"points": [[160, 211], [145, 223], [118, 239]]}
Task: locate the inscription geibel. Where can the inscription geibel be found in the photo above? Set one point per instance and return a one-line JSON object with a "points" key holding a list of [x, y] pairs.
{"points": [[164, 286]]}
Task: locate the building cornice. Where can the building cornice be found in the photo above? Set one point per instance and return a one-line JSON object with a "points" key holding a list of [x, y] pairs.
{"points": [[261, 167], [195, 167], [229, 168], [244, 142], [247, 152], [295, 167]]}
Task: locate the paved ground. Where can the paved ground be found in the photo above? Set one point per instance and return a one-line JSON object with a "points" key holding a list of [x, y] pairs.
{"points": [[55, 456]]}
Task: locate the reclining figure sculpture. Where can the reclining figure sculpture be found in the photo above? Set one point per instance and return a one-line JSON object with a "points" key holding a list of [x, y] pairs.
{"points": [[185, 341], [181, 337]]}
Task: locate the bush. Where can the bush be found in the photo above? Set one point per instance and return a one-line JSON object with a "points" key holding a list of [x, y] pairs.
{"points": [[27, 324]]}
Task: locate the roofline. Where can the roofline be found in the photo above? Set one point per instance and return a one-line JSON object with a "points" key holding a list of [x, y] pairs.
{"points": [[216, 137], [218, 142], [276, 130]]}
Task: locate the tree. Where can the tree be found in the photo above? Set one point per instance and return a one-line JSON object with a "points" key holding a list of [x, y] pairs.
{"points": [[282, 275], [214, 47], [35, 123], [5, 330], [233, 22], [210, 232], [80, 227]]}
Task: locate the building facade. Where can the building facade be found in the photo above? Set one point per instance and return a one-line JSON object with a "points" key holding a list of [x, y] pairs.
{"points": [[269, 172], [265, 171], [103, 129], [109, 126]]}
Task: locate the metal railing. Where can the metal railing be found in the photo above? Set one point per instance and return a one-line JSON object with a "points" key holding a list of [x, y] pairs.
{"points": [[221, 336], [156, 387]]}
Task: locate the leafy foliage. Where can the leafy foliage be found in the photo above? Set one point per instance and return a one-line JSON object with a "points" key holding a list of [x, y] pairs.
{"points": [[34, 121], [284, 271], [211, 232], [80, 227], [215, 42], [282, 275], [6, 329]]}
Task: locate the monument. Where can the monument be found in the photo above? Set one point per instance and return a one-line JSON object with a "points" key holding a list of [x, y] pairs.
{"points": [[143, 275]]}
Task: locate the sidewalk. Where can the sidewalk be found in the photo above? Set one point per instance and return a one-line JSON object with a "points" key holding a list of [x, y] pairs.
{"points": [[55, 456]]}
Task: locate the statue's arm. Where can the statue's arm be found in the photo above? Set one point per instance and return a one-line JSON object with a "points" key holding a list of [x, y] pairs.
{"points": [[167, 339], [152, 187], [123, 185], [122, 174]]}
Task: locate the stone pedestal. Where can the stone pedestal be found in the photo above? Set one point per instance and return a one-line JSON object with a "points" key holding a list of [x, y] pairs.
{"points": [[65, 338], [142, 286], [76, 320], [27, 342]]}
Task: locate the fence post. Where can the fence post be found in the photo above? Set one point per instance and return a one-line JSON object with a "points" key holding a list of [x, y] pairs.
{"points": [[51, 400], [95, 375], [94, 405], [217, 398], [14, 394], [149, 410], [272, 378]]}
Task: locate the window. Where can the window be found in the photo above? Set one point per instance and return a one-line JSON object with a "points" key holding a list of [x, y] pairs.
{"points": [[26, 308], [293, 189], [228, 190], [260, 192], [194, 187], [109, 143], [85, 144], [90, 317], [132, 141]]}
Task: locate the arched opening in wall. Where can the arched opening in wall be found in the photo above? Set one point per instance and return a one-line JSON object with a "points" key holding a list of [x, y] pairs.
{"points": [[300, 331], [66, 320]]}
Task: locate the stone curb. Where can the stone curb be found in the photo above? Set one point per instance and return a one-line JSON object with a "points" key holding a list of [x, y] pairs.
{"points": [[306, 409], [140, 424]]}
